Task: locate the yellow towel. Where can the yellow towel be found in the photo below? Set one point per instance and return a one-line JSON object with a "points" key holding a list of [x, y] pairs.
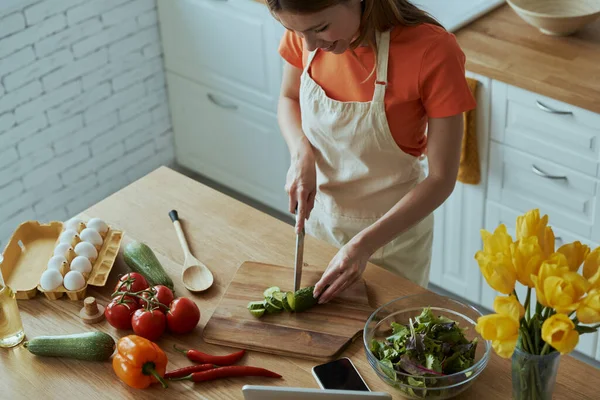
{"points": [[469, 171]]}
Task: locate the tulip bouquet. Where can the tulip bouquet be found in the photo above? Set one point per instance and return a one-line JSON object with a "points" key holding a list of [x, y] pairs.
{"points": [[566, 304]]}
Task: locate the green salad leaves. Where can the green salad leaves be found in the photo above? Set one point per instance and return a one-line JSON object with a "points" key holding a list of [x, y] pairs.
{"points": [[427, 348]]}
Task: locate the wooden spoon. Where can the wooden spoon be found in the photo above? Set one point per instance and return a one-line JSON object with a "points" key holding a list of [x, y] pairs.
{"points": [[195, 275]]}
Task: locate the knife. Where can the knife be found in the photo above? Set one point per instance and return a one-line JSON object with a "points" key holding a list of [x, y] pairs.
{"points": [[299, 257]]}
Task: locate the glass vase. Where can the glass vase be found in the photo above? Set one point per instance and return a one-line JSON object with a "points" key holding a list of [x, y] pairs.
{"points": [[534, 376]]}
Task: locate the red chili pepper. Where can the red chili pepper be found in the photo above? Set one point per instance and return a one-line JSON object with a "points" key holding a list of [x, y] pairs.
{"points": [[178, 373], [227, 372], [198, 356]]}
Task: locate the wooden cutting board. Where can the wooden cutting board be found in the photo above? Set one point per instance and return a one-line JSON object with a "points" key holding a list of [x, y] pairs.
{"points": [[320, 333]]}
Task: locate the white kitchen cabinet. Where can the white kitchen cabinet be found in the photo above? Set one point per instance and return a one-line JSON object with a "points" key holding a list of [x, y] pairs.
{"points": [[230, 46], [459, 220], [231, 142]]}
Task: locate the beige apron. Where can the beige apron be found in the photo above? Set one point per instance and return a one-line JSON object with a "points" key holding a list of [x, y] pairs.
{"points": [[362, 173]]}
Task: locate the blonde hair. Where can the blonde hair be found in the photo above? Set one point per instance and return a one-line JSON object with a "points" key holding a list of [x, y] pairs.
{"points": [[377, 15]]}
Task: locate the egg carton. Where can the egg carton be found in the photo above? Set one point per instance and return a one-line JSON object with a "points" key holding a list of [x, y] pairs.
{"points": [[30, 248]]}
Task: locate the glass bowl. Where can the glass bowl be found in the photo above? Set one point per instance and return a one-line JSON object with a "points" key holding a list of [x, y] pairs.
{"points": [[401, 311]]}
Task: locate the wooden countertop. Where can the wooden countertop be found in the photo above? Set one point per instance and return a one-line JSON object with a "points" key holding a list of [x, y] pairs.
{"points": [[222, 233], [502, 46]]}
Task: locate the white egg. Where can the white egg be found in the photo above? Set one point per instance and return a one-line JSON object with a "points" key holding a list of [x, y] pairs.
{"points": [[87, 250], [74, 280], [57, 262], [69, 236], [51, 279], [81, 264], [91, 236], [74, 224], [62, 249], [98, 225]]}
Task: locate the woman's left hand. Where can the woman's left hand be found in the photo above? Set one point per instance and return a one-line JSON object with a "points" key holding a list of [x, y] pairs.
{"points": [[343, 271]]}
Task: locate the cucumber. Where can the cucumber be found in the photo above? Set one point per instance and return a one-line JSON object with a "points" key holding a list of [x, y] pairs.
{"points": [[291, 300], [304, 299], [272, 308], [89, 346], [258, 312], [256, 305], [277, 299], [269, 292], [141, 259], [285, 304]]}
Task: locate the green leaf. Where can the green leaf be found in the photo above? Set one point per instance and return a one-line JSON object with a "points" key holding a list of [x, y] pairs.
{"points": [[585, 329], [415, 382], [432, 363], [388, 369], [400, 333]]}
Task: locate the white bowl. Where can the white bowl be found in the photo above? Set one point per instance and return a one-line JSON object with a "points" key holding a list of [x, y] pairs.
{"points": [[557, 17]]}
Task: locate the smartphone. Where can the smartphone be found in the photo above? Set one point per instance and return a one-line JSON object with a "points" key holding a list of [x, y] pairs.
{"points": [[339, 374]]}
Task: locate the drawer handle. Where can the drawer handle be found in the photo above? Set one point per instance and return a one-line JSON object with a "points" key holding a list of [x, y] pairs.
{"points": [[219, 103], [544, 107], [543, 174]]}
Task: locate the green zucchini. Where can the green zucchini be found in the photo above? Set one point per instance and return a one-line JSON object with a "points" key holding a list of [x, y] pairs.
{"points": [[141, 259], [89, 346]]}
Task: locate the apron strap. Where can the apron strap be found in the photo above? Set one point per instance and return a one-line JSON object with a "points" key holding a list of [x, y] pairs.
{"points": [[311, 57], [383, 53]]}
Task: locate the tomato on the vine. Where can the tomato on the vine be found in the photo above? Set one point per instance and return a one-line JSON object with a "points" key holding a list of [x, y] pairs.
{"points": [[163, 294], [149, 324], [119, 311], [183, 315], [131, 282]]}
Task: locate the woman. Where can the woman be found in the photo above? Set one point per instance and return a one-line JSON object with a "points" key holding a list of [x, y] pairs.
{"points": [[363, 80]]}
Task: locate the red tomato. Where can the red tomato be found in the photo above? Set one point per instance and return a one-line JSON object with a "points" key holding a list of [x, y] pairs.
{"points": [[119, 311], [163, 294], [131, 282], [149, 324], [183, 315]]}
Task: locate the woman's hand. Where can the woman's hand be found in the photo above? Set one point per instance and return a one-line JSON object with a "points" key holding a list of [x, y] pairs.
{"points": [[301, 185], [343, 271]]}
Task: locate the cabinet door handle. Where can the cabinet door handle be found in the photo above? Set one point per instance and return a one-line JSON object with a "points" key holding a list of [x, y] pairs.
{"points": [[546, 175], [550, 110], [221, 104]]}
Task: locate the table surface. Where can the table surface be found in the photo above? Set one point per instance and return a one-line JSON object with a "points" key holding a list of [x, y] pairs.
{"points": [[222, 233]]}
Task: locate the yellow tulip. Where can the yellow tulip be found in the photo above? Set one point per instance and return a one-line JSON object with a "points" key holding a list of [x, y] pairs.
{"points": [[509, 306], [527, 257], [498, 242], [502, 330], [591, 272], [575, 253], [559, 288], [531, 224], [559, 332], [498, 271], [588, 311], [495, 261]]}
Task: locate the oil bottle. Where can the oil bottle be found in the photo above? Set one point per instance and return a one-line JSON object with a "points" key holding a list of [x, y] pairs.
{"points": [[11, 327]]}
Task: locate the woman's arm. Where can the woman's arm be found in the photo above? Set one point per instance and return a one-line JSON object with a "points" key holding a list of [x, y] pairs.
{"points": [[301, 178], [443, 153], [443, 149]]}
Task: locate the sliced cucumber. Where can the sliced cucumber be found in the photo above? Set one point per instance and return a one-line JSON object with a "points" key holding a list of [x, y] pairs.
{"points": [[285, 304], [257, 312], [277, 299], [272, 308], [256, 305], [270, 291], [291, 300]]}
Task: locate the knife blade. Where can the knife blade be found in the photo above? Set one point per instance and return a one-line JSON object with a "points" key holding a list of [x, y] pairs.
{"points": [[299, 258]]}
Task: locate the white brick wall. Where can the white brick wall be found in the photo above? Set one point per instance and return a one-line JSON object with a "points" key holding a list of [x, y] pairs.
{"points": [[83, 105]]}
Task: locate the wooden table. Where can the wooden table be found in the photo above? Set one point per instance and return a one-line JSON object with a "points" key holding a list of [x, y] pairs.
{"points": [[222, 233], [502, 46]]}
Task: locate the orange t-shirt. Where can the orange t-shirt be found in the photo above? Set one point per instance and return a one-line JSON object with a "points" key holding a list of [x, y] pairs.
{"points": [[426, 78]]}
